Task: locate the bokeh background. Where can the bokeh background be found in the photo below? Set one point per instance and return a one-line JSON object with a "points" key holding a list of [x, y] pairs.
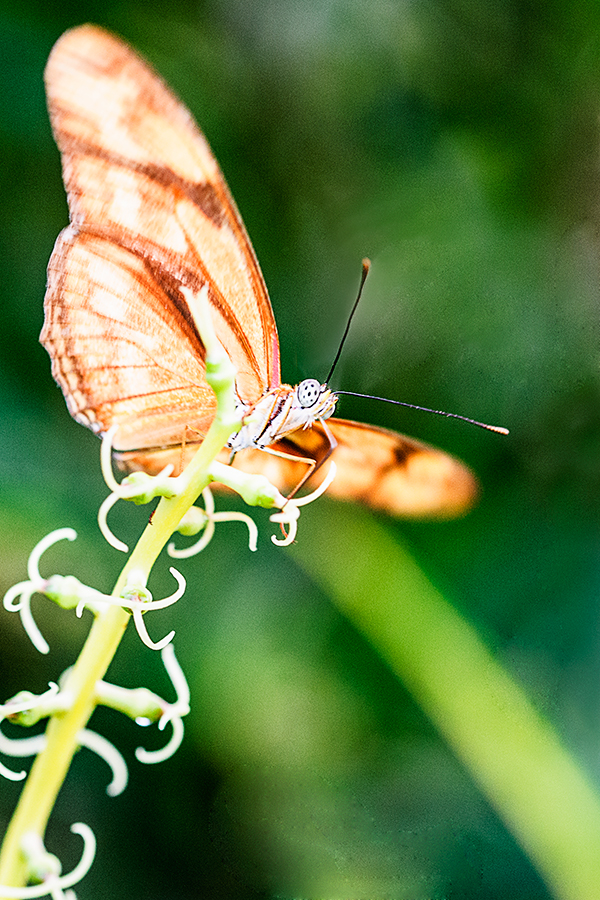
{"points": [[455, 142]]}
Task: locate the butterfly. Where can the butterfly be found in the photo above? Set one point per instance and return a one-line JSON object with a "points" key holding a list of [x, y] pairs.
{"points": [[151, 223]]}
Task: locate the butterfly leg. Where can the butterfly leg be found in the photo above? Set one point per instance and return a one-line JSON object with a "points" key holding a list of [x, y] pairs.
{"points": [[313, 464]]}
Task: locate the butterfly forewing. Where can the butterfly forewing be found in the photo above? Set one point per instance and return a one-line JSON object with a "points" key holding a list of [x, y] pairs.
{"points": [[152, 222], [139, 173]]}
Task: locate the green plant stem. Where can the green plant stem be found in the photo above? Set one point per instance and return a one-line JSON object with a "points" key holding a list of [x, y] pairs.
{"points": [[513, 753], [52, 764]]}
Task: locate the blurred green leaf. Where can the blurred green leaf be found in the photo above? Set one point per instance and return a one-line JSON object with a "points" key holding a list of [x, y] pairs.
{"points": [[457, 144]]}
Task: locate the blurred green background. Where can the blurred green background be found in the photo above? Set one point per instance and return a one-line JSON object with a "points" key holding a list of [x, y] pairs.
{"points": [[456, 144]]}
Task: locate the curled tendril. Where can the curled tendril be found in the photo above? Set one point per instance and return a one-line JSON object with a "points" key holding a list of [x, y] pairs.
{"points": [[33, 745], [60, 534], [139, 600], [18, 597], [208, 528], [10, 775], [38, 858], [136, 596], [139, 487], [20, 747], [106, 460], [290, 513], [130, 488], [107, 534], [138, 618], [69, 592], [173, 713], [109, 753], [170, 748]]}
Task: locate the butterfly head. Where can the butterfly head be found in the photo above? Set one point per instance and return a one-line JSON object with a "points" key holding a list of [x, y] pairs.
{"points": [[281, 411], [314, 400], [311, 393]]}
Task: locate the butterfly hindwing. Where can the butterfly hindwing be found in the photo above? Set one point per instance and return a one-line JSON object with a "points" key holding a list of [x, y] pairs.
{"points": [[122, 352], [377, 467]]}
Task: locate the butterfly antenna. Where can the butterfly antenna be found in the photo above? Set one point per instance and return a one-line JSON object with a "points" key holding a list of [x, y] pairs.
{"points": [[366, 265], [438, 412]]}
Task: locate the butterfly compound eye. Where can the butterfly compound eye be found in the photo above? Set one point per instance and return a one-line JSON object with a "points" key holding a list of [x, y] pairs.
{"points": [[308, 392]]}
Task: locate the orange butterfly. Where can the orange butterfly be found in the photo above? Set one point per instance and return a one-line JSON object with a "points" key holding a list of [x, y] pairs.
{"points": [[152, 222]]}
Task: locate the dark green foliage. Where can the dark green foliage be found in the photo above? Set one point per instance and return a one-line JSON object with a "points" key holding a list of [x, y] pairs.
{"points": [[457, 145]]}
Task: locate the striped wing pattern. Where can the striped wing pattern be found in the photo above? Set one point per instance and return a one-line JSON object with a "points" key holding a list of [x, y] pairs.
{"points": [[140, 176]]}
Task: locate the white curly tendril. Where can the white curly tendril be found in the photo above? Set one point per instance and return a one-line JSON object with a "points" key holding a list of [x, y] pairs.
{"points": [[142, 488], [18, 597], [204, 520], [71, 593], [31, 746], [139, 487], [20, 747], [290, 513], [45, 867], [137, 598], [44, 705], [107, 751], [173, 712], [141, 704]]}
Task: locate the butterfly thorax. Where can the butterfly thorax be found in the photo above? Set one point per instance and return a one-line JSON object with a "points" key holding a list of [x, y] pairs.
{"points": [[281, 411]]}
